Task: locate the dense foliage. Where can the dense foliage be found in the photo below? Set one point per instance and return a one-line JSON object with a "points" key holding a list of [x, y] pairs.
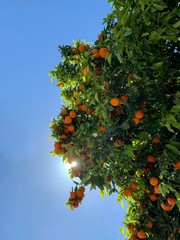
{"points": [[119, 123]]}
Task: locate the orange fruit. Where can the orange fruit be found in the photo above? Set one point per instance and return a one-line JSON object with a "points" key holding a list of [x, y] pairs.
{"points": [[157, 190], [150, 224], [75, 205], [153, 197], [132, 238], [133, 185], [81, 86], [84, 107], [82, 189], [95, 53], [80, 194], [130, 227], [63, 136], [118, 111], [141, 234], [156, 140], [130, 75], [85, 71], [171, 200], [57, 145], [101, 128], [75, 51], [151, 159], [71, 128], [82, 47], [127, 192], [154, 181], [67, 120], [64, 111], [72, 195], [139, 114], [134, 232], [99, 36], [103, 52], [78, 101], [89, 111], [71, 159], [136, 120], [72, 114], [87, 47], [57, 151], [165, 207], [115, 102], [124, 98], [177, 165]]}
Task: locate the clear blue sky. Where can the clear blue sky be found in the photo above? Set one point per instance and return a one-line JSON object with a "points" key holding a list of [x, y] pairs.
{"points": [[34, 185]]}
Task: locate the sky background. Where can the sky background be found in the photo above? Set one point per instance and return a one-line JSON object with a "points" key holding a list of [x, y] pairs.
{"points": [[34, 186]]}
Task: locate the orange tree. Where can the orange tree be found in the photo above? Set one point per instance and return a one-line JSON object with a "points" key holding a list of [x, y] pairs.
{"points": [[118, 126]]}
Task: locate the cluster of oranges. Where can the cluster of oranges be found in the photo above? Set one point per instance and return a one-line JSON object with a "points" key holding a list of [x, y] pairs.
{"points": [[76, 197]]}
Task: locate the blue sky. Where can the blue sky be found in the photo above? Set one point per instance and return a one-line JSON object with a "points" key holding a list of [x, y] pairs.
{"points": [[34, 185]]}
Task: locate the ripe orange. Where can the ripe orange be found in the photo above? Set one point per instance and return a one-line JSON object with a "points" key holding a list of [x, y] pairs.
{"points": [[57, 145], [133, 185], [115, 102], [151, 159], [101, 128], [139, 114], [82, 189], [154, 181], [157, 190], [153, 197], [177, 165], [67, 120], [84, 107], [82, 47], [71, 159], [89, 111], [95, 53], [130, 227], [99, 36], [57, 151], [136, 120], [64, 111], [87, 47], [171, 200], [80, 194], [72, 195], [85, 71], [75, 51], [156, 140], [78, 101], [141, 234], [165, 207], [130, 75], [81, 86], [150, 224], [72, 114], [71, 128], [63, 136], [127, 192], [124, 98], [103, 52], [132, 238]]}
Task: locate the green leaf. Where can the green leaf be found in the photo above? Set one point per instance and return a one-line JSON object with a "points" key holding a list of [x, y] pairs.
{"points": [[173, 148], [102, 194], [109, 58], [160, 6], [122, 230], [176, 25], [128, 32], [176, 109], [157, 65]]}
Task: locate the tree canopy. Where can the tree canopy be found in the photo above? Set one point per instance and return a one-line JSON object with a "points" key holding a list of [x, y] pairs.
{"points": [[119, 123]]}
